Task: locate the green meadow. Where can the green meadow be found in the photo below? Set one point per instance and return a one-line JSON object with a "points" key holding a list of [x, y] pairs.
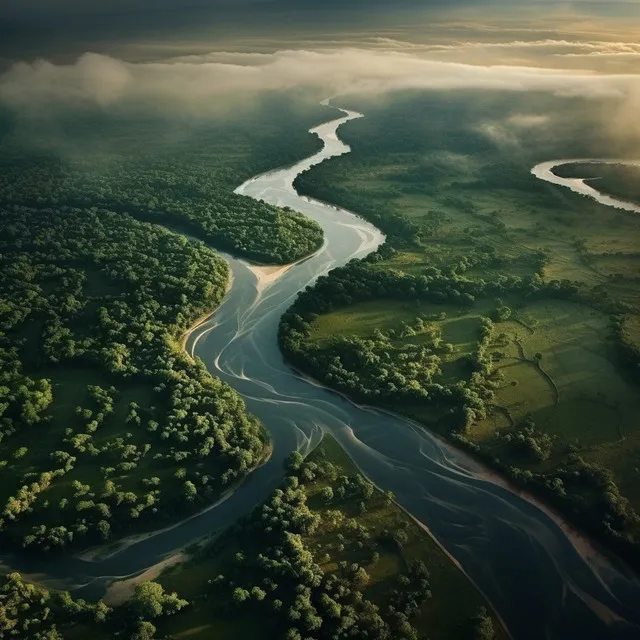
{"points": [[456, 202]]}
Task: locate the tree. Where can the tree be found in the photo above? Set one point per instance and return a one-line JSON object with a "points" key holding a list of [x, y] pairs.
{"points": [[360, 577], [258, 594], [240, 595], [294, 461], [483, 626], [104, 529], [144, 631], [150, 601], [190, 491], [326, 494], [101, 612], [501, 314]]}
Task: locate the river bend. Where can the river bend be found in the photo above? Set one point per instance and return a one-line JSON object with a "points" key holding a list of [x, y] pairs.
{"points": [[541, 582]]}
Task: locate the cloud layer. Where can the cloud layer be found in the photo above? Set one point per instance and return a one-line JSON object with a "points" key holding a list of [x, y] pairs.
{"points": [[202, 82]]}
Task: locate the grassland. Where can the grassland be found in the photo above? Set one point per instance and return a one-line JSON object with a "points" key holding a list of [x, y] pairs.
{"points": [[446, 615], [452, 197]]}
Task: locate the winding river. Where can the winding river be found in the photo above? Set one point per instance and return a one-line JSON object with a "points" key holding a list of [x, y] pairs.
{"points": [[544, 171], [544, 581]]}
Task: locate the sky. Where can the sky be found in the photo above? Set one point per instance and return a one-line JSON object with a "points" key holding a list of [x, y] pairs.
{"points": [[192, 54], [62, 29]]}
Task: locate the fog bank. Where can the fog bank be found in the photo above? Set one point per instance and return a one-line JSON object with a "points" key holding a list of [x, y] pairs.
{"points": [[199, 82]]}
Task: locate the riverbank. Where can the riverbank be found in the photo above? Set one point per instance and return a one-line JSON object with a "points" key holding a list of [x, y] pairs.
{"points": [[479, 522], [545, 171], [446, 615], [592, 551], [120, 591]]}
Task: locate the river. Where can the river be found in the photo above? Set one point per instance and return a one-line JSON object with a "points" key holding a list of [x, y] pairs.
{"points": [[544, 171], [543, 581]]}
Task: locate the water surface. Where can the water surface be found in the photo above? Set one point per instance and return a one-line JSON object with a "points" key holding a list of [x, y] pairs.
{"points": [[540, 582]]}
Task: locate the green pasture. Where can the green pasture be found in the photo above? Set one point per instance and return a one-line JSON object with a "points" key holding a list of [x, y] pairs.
{"points": [[620, 266], [577, 393], [363, 318], [460, 329]]}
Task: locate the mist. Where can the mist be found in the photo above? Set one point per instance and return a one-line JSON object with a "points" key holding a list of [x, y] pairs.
{"points": [[200, 82], [205, 59]]}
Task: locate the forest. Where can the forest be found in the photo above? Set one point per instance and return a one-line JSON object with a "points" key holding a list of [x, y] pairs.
{"points": [[30, 611], [148, 433], [155, 170], [326, 556], [501, 311], [130, 432], [107, 427]]}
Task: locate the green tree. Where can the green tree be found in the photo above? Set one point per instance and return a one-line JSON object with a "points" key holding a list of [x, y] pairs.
{"points": [[294, 461], [326, 494], [144, 631], [240, 595], [150, 601], [483, 626]]}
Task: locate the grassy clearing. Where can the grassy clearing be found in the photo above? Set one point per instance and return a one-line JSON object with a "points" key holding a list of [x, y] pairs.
{"points": [[583, 400], [622, 266], [363, 318], [472, 199], [457, 328]]}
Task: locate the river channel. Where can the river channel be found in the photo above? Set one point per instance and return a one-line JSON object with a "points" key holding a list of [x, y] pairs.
{"points": [[544, 581]]}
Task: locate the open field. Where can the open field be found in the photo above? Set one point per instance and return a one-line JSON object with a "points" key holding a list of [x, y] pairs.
{"points": [[576, 393], [560, 366]]}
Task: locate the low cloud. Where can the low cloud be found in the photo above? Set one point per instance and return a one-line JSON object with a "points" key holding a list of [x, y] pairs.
{"points": [[507, 132], [527, 121], [201, 82], [550, 46]]}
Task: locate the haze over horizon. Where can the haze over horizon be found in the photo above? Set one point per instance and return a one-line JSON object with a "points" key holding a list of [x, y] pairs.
{"points": [[201, 54], [64, 29]]}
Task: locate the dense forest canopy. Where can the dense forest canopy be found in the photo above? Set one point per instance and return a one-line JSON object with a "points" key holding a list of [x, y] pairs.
{"points": [[105, 424], [156, 169], [85, 298]]}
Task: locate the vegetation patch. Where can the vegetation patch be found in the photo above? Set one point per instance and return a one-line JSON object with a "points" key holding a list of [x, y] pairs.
{"points": [[538, 287], [118, 429], [106, 426], [327, 554]]}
